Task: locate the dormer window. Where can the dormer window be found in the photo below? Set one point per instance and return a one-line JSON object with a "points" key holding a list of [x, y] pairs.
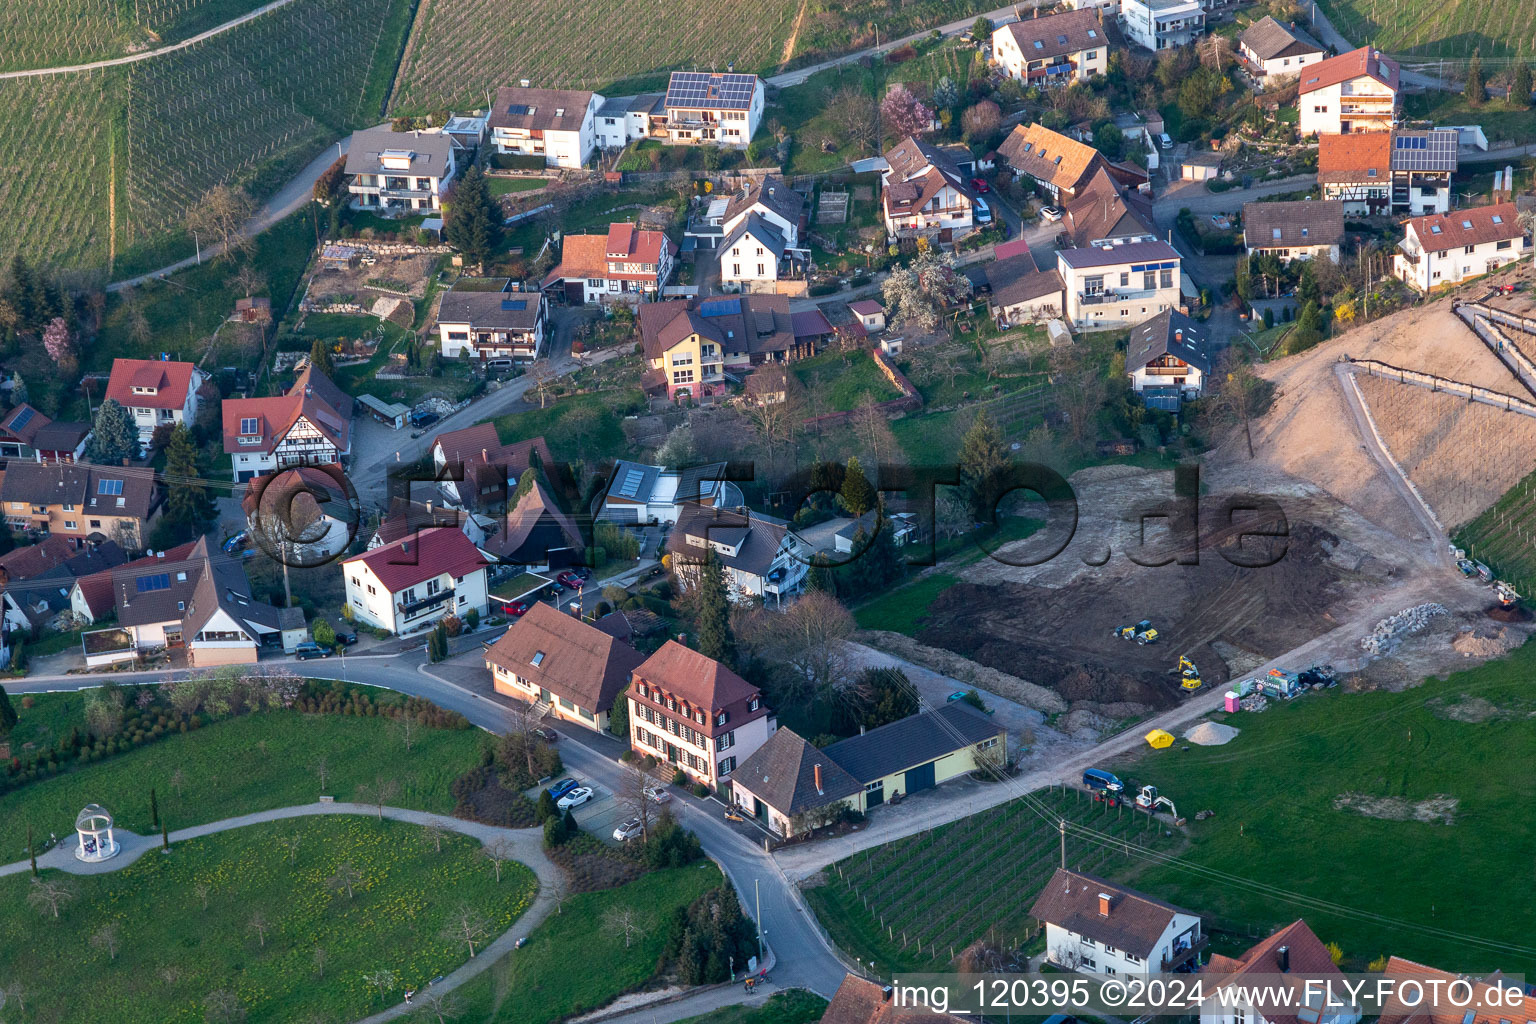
{"points": [[249, 425], [754, 704]]}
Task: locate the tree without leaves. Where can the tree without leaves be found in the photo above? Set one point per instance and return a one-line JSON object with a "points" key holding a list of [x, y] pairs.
{"points": [[434, 833], [346, 879], [220, 215], [807, 640], [378, 792], [498, 852], [440, 1006], [221, 1006], [202, 890], [322, 771], [319, 957], [48, 896], [259, 924], [639, 776], [381, 979], [981, 121], [291, 845], [466, 925], [852, 111], [625, 921], [107, 940]]}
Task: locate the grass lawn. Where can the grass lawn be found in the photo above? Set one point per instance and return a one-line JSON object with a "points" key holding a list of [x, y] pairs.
{"points": [[940, 888], [1500, 121], [845, 379], [501, 186], [174, 950], [797, 1006], [231, 767], [573, 963], [902, 609], [1298, 772], [575, 427]]}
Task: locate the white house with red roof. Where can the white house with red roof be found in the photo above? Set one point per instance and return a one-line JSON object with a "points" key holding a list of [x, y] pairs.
{"points": [[1286, 979], [625, 265], [693, 713], [1353, 92], [156, 392], [311, 425], [1448, 248], [410, 584]]}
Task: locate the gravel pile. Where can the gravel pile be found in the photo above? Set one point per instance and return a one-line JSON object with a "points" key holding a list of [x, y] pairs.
{"points": [[1210, 734], [1390, 631]]}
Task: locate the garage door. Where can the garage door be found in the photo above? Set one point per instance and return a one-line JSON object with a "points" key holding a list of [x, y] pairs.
{"points": [[575, 292], [920, 777]]}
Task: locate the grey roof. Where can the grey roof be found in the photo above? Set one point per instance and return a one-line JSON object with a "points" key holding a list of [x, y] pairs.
{"points": [[1134, 923], [511, 311], [1304, 222], [866, 523], [60, 436], [614, 106], [430, 152], [696, 483], [1018, 279], [782, 773], [1267, 38], [1172, 333], [558, 110], [632, 481], [912, 741], [96, 489], [772, 193], [761, 230], [1431, 150], [755, 536], [710, 90], [1108, 256]]}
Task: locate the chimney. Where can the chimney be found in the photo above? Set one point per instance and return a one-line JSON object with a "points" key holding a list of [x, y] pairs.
{"points": [[885, 994], [523, 82], [817, 771], [1105, 901], [1178, 336], [485, 455], [1284, 952], [429, 506]]}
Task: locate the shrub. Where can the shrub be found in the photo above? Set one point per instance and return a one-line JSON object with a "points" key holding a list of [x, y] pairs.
{"points": [[554, 832], [700, 790], [679, 777]]}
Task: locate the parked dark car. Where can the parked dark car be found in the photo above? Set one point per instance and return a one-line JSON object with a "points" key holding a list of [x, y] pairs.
{"points": [[309, 649], [424, 419], [546, 734], [562, 787], [346, 636]]}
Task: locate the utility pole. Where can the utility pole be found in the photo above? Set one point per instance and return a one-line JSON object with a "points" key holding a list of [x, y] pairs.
{"points": [[757, 893], [1061, 826]]}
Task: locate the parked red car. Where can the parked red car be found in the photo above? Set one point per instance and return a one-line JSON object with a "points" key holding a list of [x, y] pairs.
{"points": [[569, 579], [980, 185], [517, 609]]}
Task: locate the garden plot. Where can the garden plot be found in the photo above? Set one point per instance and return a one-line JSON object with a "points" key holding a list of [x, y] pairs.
{"points": [[388, 277]]}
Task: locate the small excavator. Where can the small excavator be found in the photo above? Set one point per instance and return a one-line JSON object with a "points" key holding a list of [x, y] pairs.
{"points": [[1143, 632], [1189, 675], [1148, 800]]}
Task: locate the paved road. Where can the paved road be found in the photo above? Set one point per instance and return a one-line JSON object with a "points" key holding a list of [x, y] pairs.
{"points": [[134, 58], [291, 197]]}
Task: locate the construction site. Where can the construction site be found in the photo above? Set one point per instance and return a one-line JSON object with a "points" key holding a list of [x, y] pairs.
{"points": [[1380, 444]]}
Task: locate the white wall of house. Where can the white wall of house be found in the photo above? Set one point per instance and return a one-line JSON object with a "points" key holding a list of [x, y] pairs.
{"points": [[371, 602], [1278, 67], [1019, 65], [790, 231], [950, 208], [722, 127], [1359, 104], [1191, 380], [748, 262], [1160, 26], [562, 148], [1436, 268], [1119, 297], [560, 707], [456, 338], [148, 419], [1071, 949], [1300, 252], [711, 760]]}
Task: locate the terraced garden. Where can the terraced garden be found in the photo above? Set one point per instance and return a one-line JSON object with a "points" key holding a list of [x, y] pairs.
{"points": [[461, 49], [914, 904], [1438, 28]]}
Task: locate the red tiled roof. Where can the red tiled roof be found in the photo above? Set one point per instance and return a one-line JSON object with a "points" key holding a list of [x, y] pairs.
{"points": [[1393, 1010], [311, 397], [171, 381], [587, 256], [428, 553], [1351, 158], [97, 587], [1307, 958], [690, 676], [1467, 227], [1361, 63]]}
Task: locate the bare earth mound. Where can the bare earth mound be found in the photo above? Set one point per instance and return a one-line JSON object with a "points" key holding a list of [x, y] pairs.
{"points": [[1439, 809], [1461, 456]]}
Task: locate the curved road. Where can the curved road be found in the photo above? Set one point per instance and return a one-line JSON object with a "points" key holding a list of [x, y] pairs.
{"points": [[134, 58]]}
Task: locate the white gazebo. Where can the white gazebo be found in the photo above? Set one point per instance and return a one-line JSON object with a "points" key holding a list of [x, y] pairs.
{"points": [[94, 827]]}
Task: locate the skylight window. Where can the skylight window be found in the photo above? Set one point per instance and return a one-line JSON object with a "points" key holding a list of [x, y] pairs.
{"points": [[538, 658], [1093, 33], [1304, 232], [1039, 45], [1061, 40], [1466, 225], [1434, 229], [109, 487], [1274, 233], [1498, 219]]}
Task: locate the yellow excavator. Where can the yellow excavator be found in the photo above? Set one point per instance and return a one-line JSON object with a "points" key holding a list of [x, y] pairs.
{"points": [[1142, 632], [1189, 675]]}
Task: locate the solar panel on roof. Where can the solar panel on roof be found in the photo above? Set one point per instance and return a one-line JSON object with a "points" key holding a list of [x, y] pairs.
{"points": [[514, 304], [720, 307], [631, 483], [23, 418], [158, 581], [109, 487]]}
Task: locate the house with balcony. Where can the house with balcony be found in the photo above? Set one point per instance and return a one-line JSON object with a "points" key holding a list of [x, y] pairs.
{"points": [[1300, 230], [1292, 976], [1058, 166], [494, 328], [1449, 248], [409, 584], [156, 392], [1119, 285], [1162, 24], [698, 348], [1357, 91], [558, 663], [760, 555], [1169, 359], [1058, 49], [37, 579], [693, 713], [81, 502], [202, 604], [1099, 927], [711, 108], [558, 125], [923, 193], [1019, 291], [473, 467], [310, 425], [1271, 51], [399, 172], [625, 265], [1403, 171], [638, 493]]}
